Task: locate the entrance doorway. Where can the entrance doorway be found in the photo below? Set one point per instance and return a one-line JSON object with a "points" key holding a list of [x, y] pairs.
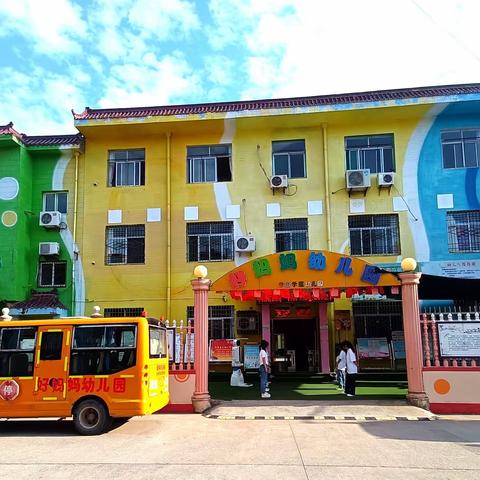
{"points": [[295, 345]]}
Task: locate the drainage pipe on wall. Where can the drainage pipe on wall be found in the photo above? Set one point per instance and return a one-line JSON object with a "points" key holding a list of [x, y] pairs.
{"points": [[74, 231], [327, 188], [169, 227]]}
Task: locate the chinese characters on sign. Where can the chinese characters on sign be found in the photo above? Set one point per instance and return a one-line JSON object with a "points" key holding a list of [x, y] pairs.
{"points": [[82, 384]]}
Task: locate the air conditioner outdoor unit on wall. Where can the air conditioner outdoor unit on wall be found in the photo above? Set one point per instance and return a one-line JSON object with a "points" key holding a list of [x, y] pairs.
{"points": [[245, 244], [357, 179], [279, 181], [386, 179], [48, 248], [50, 219]]}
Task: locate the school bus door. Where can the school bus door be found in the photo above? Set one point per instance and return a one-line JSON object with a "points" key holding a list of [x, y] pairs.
{"points": [[51, 367]]}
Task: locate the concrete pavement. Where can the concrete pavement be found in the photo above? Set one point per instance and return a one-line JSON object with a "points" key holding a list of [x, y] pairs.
{"points": [[195, 447]]}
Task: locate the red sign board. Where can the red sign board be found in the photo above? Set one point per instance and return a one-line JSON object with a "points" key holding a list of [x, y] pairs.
{"points": [[9, 390]]}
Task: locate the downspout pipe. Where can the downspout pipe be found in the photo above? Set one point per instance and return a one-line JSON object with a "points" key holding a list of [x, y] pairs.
{"points": [[74, 230], [169, 227], [327, 188]]}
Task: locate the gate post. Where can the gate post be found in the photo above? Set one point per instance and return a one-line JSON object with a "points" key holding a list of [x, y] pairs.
{"points": [[201, 286], [413, 339]]}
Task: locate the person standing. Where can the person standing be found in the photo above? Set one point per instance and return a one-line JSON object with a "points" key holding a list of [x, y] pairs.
{"points": [[263, 369], [351, 368], [341, 362]]}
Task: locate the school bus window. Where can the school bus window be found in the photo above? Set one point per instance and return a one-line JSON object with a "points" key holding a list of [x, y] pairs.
{"points": [[102, 350], [158, 342], [17, 347], [51, 348]]}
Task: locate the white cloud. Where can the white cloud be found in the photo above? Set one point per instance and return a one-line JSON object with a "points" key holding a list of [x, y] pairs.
{"points": [[150, 82], [52, 27]]}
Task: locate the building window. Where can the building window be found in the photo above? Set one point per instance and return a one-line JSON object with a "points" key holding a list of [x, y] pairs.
{"points": [[126, 168], [248, 323], [289, 158], [220, 321], [463, 231], [123, 312], [209, 163], [125, 244], [461, 148], [52, 274], [374, 235], [55, 202], [291, 234], [209, 241], [373, 152]]}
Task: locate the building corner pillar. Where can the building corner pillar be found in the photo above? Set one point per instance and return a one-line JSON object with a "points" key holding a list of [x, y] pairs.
{"points": [[201, 396], [413, 340]]}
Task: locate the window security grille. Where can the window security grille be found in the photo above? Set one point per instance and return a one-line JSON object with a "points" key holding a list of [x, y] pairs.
{"points": [[123, 312], [291, 234], [52, 274], [461, 148], [209, 163], [374, 235], [125, 244], [289, 158], [377, 319], [220, 321], [375, 152], [463, 231], [209, 241], [126, 168]]}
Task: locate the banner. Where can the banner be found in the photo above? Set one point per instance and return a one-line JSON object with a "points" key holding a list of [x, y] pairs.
{"points": [[250, 357], [220, 350], [459, 339], [373, 348]]}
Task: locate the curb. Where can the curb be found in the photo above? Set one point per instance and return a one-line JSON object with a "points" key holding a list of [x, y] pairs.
{"points": [[352, 418]]}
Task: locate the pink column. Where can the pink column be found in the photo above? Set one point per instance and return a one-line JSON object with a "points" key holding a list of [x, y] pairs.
{"points": [[201, 397], [266, 332], [323, 337], [413, 339]]}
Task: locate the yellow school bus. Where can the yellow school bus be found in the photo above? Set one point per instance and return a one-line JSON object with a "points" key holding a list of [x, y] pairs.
{"points": [[93, 369]]}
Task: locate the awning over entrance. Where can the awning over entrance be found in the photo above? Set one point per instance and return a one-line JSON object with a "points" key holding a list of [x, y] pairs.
{"points": [[41, 304], [305, 275]]}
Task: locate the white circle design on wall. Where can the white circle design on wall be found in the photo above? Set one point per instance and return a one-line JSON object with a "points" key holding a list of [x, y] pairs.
{"points": [[8, 188], [9, 218]]}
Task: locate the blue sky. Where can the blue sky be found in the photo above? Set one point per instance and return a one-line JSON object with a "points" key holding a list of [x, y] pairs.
{"points": [[58, 55]]}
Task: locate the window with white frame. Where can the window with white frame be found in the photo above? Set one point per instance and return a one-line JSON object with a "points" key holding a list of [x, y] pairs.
{"points": [[291, 234], [52, 274], [373, 152], [125, 244], [374, 235], [289, 158], [126, 168], [461, 148], [220, 321], [209, 163], [209, 241], [55, 201], [463, 231]]}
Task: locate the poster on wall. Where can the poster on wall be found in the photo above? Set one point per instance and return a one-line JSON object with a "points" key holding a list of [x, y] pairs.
{"points": [[459, 339], [177, 347], [220, 350], [373, 348], [398, 345], [250, 357], [171, 343], [189, 347]]}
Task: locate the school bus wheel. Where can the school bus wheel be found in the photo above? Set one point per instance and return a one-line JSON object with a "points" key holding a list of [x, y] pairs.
{"points": [[90, 417]]}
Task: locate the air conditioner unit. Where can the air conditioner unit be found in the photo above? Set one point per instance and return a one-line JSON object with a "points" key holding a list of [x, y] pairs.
{"points": [[48, 248], [50, 219], [386, 179], [279, 181], [245, 244], [357, 179]]}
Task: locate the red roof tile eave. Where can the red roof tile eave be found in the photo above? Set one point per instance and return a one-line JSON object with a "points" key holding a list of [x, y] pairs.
{"points": [[73, 140], [295, 102]]}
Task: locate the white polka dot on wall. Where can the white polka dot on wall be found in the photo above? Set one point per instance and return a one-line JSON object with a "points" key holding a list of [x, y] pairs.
{"points": [[9, 218], [8, 188]]}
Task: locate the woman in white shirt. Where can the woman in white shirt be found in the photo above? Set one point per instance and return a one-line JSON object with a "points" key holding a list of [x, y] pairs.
{"points": [[263, 369], [352, 369]]}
